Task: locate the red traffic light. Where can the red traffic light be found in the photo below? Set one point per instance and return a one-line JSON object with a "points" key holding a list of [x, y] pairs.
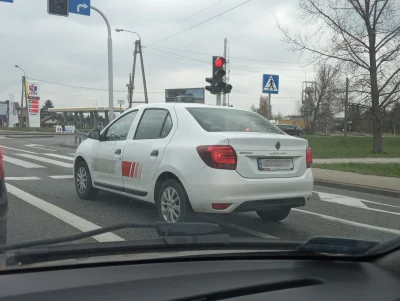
{"points": [[219, 62]]}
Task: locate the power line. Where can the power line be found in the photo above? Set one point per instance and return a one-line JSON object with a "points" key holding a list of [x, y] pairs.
{"points": [[180, 21], [198, 24], [87, 88], [237, 66], [235, 57], [72, 86], [291, 97], [182, 56]]}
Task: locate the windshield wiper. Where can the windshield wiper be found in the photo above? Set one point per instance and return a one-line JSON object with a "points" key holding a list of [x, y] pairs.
{"points": [[338, 246], [165, 230]]}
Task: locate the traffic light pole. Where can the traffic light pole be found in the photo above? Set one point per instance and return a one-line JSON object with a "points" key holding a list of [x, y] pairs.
{"points": [[218, 99], [110, 67], [225, 44]]}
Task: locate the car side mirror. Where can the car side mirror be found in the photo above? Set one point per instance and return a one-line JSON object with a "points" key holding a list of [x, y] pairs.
{"points": [[94, 134]]}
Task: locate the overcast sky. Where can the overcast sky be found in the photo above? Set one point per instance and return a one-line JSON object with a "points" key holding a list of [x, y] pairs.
{"points": [[73, 50]]}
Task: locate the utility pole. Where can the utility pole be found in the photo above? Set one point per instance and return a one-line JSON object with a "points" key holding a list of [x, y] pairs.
{"points": [[225, 45], [22, 102], [346, 104], [146, 99], [131, 85]]}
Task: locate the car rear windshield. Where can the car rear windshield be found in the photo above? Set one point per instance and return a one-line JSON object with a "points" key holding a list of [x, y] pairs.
{"points": [[230, 120]]}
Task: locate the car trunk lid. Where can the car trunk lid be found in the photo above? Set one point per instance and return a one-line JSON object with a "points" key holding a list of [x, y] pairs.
{"points": [[266, 155]]}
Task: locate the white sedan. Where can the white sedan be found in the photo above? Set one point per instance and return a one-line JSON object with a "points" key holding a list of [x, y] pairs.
{"points": [[196, 158]]}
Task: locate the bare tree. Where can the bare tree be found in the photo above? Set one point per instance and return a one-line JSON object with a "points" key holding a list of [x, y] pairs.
{"points": [[262, 108], [364, 35]]}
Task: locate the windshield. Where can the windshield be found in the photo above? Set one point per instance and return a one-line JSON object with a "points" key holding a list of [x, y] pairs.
{"points": [[274, 120]]}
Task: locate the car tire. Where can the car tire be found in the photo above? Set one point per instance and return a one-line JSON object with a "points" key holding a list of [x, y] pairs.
{"points": [[85, 191], [172, 198], [274, 215], [300, 133]]}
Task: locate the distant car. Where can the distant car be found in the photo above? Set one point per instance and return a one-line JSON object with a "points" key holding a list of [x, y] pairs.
{"points": [[189, 97], [291, 129], [3, 203], [192, 157]]}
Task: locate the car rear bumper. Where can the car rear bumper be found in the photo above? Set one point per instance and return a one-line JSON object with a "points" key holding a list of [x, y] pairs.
{"points": [[209, 186]]}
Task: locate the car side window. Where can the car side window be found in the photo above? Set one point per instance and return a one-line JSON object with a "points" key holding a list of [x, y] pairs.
{"points": [[154, 124], [167, 127], [119, 130]]}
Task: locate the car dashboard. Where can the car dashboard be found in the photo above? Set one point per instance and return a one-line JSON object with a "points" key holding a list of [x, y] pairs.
{"points": [[208, 279]]}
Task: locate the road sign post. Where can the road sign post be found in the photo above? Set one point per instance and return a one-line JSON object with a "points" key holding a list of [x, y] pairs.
{"points": [[120, 102]]}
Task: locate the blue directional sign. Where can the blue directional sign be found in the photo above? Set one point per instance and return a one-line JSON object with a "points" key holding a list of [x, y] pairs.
{"points": [[270, 84], [80, 7], [9, 1]]}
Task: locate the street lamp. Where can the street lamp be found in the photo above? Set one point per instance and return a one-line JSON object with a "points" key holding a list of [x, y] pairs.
{"points": [[120, 30], [16, 66]]}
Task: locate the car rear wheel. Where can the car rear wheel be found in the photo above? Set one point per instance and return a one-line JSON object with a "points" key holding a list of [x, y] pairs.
{"points": [[274, 215], [172, 202], [300, 133], [83, 182]]}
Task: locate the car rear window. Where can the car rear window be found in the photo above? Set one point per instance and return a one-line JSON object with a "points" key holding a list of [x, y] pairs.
{"points": [[230, 120]]}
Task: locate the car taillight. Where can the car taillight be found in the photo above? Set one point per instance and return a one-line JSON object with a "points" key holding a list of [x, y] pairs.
{"points": [[218, 156], [308, 157]]}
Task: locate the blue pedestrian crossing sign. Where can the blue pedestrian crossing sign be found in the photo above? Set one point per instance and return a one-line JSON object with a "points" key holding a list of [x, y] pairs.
{"points": [[9, 1], [270, 84]]}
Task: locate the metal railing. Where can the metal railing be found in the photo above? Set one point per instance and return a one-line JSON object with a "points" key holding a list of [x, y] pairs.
{"points": [[79, 136]]}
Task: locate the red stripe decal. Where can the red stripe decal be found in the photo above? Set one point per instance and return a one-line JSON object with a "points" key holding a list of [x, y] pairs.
{"points": [[126, 166]]}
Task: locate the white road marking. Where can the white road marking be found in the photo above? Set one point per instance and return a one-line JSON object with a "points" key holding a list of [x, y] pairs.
{"points": [[351, 202], [39, 146], [2, 137], [71, 154], [341, 199], [382, 204], [237, 227], [59, 156], [37, 158], [22, 178], [351, 223], [62, 177], [20, 150], [65, 216], [22, 163]]}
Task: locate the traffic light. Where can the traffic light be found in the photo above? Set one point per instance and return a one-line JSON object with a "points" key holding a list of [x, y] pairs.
{"points": [[58, 7], [217, 82]]}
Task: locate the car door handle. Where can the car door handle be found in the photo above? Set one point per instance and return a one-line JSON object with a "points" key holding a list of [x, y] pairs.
{"points": [[117, 152], [154, 153]]}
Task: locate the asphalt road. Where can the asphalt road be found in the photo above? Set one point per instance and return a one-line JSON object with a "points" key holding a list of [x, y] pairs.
{"points": [[44, 204]]}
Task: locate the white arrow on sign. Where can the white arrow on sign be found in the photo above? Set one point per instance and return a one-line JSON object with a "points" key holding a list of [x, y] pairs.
{"points": [[84, 5]]}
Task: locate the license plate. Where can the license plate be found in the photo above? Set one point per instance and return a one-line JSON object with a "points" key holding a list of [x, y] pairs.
{"points": [[275, 164]]}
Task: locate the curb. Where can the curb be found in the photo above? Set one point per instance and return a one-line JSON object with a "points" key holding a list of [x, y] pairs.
{"points": [[28, 136], [359, 188]]}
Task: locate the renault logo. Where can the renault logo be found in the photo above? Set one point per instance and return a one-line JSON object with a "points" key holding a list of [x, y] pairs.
{"points": [[278, 145]]}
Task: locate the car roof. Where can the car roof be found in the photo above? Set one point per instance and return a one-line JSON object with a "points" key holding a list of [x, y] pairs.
{"points": [[181, 104]]}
